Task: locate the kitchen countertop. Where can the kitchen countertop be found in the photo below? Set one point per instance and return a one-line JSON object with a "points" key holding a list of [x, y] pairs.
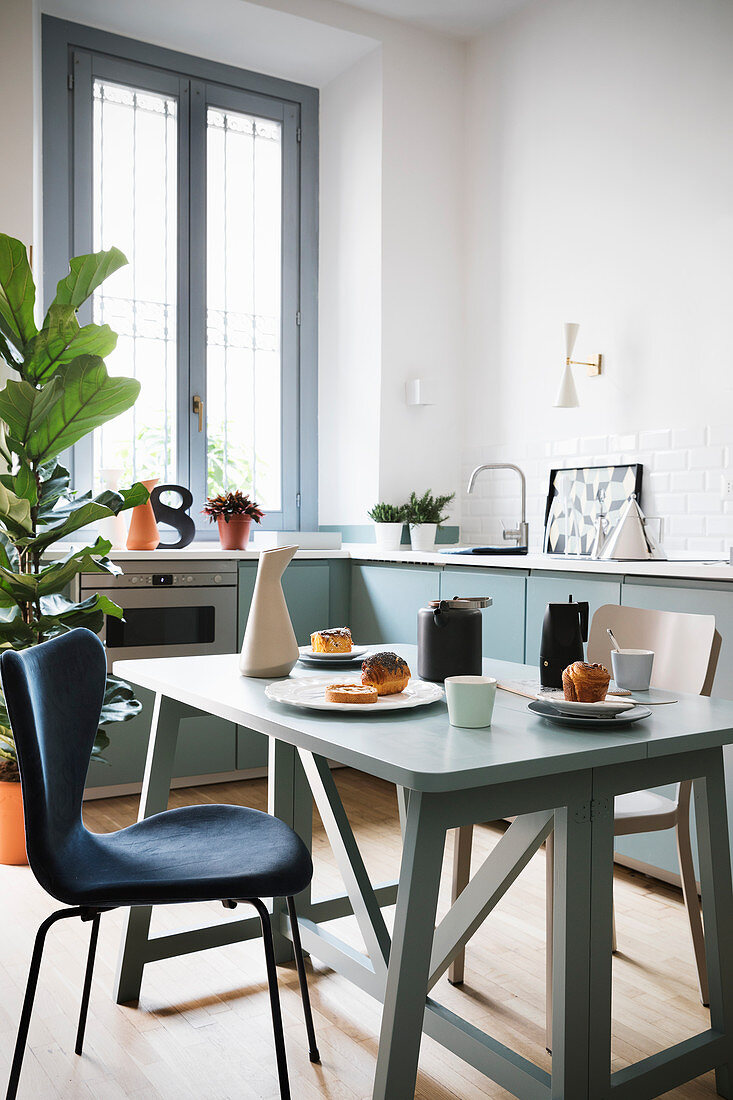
{"points": [[684, 570]]}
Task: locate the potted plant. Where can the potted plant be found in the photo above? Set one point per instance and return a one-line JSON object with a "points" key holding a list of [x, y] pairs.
{"points": [[424, 515], [60, 393], [233, 513], [389, 520]]}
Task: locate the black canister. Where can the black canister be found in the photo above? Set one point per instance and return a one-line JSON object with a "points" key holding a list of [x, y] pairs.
{"points": [[449, 638]]}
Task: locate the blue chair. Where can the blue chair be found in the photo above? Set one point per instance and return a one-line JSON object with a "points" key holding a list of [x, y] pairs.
{"points": [[54, 693]]}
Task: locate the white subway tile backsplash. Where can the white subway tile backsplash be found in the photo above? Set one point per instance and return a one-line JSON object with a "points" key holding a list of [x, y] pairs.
{"points": [[704, 458], [683, 474], [655, 441]]}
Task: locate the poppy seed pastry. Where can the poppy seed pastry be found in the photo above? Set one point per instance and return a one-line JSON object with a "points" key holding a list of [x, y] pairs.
{"points": [[387, 672], [335, 640], [585, 683]]}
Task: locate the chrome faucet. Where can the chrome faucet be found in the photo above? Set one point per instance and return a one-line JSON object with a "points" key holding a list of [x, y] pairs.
{"points": [[520, 533]]}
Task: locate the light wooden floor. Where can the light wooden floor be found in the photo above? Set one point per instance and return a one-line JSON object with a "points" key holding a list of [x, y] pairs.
{"points": [[202, 1028]]}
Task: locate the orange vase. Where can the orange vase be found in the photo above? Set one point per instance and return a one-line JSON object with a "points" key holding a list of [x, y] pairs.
{"points": [[12, 829], [143, 533]]}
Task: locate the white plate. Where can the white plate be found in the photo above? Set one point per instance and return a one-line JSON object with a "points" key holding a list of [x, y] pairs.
{"points": [[311, 695], [310, 654], [606, 709]]}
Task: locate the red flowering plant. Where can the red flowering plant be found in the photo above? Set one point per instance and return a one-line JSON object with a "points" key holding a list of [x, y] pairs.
{"points": [[226, 505]]}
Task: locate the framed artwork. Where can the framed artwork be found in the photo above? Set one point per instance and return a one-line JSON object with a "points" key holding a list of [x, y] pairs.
{"points": [[573, 503]]}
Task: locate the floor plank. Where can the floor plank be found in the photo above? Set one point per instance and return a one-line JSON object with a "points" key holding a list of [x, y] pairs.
{"points": [[202, 1028]]}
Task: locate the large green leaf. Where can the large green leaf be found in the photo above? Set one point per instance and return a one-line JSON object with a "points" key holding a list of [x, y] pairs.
{"points": [[120, 704], [17, 292], [84, 399], [14, 631], [55, 481], [85, 275], [88, 512], [9, 556], [21, 586], [59, 615], [15, 512], [89, 559], [61, 340], [22, 483]]}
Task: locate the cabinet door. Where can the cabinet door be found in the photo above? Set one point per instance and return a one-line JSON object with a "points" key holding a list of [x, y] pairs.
{"points": [[206, 745], [385, 600], [503, 622], [544, 588]]}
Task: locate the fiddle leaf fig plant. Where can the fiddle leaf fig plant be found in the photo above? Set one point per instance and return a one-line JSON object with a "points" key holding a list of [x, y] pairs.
{"points": [[61, 393]]}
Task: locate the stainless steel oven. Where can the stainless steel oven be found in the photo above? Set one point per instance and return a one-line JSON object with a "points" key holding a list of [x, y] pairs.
{"points": [[171, 608]]}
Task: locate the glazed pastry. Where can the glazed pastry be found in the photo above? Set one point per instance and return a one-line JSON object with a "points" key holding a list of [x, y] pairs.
{"points": [[351, 693], [387, 672], [335, 640], [585, 683]]}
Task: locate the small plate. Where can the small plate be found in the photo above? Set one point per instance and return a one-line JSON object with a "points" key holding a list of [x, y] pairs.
{"points": [[309, 694], [608, 708], [623, 718], [309, 654]]}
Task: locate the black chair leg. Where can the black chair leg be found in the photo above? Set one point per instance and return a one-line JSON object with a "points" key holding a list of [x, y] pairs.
{"points": [[30, 992], [307, 1012], [87, 983], [277, 1020]]}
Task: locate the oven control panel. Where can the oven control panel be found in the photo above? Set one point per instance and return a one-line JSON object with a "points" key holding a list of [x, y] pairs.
{"points": [[176, 580]]}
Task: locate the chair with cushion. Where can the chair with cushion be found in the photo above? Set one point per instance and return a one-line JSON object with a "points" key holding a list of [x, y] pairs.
{"points": [[686, 649], [53, 694]]}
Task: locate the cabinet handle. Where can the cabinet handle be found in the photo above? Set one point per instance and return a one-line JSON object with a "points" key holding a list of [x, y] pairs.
{"points": [[198, 408]]}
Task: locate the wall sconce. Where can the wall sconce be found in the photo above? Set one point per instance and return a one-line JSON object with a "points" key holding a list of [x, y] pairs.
{"points": [[567, 395], [418, 392]]}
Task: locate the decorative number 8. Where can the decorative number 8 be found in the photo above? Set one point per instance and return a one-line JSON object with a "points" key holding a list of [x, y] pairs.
{"points": [[174, 517]]}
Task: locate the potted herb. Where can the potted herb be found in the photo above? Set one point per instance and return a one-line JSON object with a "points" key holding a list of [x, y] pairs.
{"points": [[389, 520], [233, 513], [60, 393], [424, 515]]}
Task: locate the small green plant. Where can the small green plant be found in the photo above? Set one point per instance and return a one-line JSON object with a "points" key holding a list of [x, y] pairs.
{"points": [[227, 505], [387, 513], [427, 508]]}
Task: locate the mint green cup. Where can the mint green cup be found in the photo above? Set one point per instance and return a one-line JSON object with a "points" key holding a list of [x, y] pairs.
{"points": [[470, 700]]}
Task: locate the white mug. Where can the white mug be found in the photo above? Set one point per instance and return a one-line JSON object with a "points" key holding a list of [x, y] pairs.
{"points": [[632, 668], [470, 700]]}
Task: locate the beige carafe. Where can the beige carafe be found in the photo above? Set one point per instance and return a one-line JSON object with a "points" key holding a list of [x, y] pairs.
{"points": [[269, 647]]}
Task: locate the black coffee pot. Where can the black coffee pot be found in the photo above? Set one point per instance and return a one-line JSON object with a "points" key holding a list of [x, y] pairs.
{"points": [[449, 638], [564, 629]]}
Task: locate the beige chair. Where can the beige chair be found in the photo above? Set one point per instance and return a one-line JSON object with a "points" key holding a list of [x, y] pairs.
{"points": [[686, 649]]}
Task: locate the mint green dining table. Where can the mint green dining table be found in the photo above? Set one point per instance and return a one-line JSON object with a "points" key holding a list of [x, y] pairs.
{"points": [[544, 776]]}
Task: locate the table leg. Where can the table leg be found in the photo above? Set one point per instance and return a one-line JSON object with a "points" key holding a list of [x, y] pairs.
{"points": [[717, 907], [409, 961], [579, 969], [289, 798], [167, 714]]}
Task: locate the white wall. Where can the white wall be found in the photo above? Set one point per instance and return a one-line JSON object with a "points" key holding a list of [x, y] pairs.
{"points": [[350, 292], [600, 190]]}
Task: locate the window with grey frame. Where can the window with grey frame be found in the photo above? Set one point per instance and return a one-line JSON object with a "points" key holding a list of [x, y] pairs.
{"points": [[206, 178]]}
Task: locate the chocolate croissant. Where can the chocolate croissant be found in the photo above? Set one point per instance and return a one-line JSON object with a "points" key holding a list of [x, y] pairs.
{"points": [[585, 683]]}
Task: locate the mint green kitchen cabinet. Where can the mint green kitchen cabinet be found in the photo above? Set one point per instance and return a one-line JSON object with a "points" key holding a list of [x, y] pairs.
{"points": [[385, 600], [206, 746], [544, 588], [503, 622]]}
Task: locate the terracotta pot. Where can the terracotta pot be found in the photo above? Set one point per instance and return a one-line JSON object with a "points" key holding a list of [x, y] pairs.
{"points": [[12, 829], [235, 534], [143, 533]]}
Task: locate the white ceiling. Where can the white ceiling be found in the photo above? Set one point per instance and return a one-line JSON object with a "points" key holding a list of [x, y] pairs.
{"points": [[463, 18]]}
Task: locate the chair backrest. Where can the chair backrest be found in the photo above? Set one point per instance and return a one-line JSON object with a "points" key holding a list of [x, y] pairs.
{"points": [[686, 647], [54, 693]]}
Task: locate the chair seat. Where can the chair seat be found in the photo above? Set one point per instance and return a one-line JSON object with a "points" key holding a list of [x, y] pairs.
{"points": [[197, 853], [643, 811]]}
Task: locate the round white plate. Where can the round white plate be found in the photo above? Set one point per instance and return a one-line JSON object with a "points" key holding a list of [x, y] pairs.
{"points": [[610, 721], [309, 654], [606, 709], [311, 695]]}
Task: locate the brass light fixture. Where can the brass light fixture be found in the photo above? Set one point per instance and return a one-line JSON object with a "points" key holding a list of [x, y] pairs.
{"points": [[567, 395]]}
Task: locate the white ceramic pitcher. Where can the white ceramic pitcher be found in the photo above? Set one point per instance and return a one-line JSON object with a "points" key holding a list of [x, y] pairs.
{"points": [[269, 647]]}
